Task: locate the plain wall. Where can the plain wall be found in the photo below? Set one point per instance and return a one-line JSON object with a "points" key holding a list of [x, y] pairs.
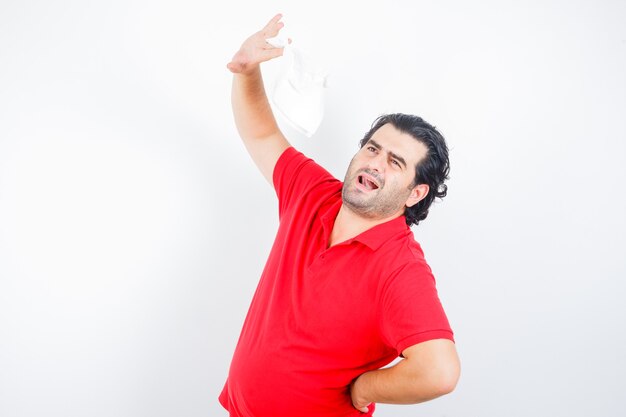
{"points": [[134, 226]]}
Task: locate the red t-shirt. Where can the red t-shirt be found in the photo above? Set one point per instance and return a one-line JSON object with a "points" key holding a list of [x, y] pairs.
{"points": [[322, 316]]}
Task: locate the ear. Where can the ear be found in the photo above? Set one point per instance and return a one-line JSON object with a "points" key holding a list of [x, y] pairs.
{"points": [[418, 193]]}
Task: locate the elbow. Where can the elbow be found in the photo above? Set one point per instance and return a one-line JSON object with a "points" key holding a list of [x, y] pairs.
{"points": [[446, 378], [447, 383], [435, 369], [433, 384], [439, 381]]}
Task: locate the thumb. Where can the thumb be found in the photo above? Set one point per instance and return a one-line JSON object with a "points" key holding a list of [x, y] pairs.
{"points": [[272, 53], [235, 67]]}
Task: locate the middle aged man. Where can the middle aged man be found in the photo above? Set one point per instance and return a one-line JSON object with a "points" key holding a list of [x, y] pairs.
{"points": [[346, 288]]}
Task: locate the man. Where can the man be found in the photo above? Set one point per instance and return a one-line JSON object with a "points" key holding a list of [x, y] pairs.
{"points": [[346, 288]]}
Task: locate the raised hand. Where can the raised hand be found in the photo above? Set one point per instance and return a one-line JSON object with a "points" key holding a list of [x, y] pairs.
{"points": [[256, 49]]}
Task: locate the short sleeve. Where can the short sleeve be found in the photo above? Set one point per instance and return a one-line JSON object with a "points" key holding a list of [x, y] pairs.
{"points": [[294, 176], [411, 310]]}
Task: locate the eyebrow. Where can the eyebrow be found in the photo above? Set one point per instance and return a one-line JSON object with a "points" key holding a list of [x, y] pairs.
{"points": [[393, 155]]}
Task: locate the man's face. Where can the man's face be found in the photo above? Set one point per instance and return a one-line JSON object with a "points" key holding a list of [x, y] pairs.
{"points": [[379, 181]]}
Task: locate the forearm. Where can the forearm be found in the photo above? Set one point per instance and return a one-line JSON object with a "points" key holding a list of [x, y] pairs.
{"points": [[397, 385], [430, 370], [253, 115]]}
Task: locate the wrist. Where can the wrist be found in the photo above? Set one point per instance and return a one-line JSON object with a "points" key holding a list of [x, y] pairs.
{"points": [[358, 391]]}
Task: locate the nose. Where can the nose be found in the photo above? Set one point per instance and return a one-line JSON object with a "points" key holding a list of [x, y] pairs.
{"points": [[377, 162]]}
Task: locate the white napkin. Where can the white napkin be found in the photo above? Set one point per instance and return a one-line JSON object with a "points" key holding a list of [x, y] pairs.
{"points": [[299, 92]]}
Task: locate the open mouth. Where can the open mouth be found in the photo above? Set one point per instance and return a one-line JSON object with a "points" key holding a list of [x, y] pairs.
{"points": [[367, 183]]}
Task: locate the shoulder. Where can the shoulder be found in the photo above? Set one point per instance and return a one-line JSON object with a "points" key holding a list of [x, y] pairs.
{"points": [[293, 162], [405, 268], [404, 253], [296, 176]]}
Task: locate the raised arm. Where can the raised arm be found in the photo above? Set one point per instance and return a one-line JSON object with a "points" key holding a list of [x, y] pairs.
{"points": [[253, 115]]}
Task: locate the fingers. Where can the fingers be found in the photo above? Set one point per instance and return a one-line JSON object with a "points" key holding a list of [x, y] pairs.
{"points": [[257, 49], [273, 26], [365, 408], [273, 31], [273, 21]]}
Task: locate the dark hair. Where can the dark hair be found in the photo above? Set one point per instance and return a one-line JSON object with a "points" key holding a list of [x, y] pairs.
{"points": [[432, 170]]}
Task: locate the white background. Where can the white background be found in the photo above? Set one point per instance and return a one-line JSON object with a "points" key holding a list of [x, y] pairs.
{"points": [[134, 226]]}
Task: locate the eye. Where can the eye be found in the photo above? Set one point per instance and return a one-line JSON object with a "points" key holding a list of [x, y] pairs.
{"points": [[396, 163], [371, 149]]}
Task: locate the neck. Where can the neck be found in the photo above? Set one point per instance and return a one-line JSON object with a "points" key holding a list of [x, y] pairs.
{"points": [[349, 224]]}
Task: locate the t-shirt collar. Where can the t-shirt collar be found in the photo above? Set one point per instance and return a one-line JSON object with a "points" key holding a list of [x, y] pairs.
{"points": [[374, 237]]}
